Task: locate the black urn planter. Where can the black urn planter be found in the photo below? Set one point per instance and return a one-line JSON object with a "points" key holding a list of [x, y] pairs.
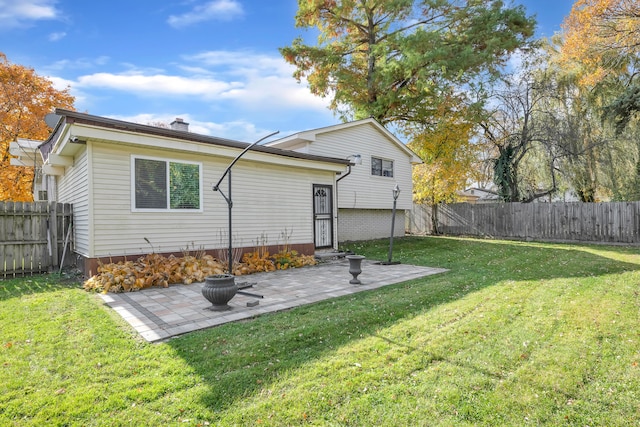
{"points": [[355, 268], [218, 290]]}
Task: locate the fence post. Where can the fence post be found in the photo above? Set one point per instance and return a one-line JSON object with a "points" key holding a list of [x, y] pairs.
{"points": [[67, 221], [53, 233]]}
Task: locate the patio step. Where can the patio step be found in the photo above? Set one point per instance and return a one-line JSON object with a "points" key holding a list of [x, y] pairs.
{"points": [[330, 255]]}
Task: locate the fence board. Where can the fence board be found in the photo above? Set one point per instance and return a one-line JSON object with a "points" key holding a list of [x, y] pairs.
{"points": [[32, 236], [615, 222]]}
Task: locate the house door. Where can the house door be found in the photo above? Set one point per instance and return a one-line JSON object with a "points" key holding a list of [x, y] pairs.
{"points": [[322, 216]]}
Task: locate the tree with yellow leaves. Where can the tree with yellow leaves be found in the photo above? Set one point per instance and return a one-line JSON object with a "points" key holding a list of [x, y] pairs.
{"points": [[25, 99], [447, 156], [604, 37]]}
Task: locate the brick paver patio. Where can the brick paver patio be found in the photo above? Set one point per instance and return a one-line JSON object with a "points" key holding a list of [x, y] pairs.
{"points": [[161, 313]]}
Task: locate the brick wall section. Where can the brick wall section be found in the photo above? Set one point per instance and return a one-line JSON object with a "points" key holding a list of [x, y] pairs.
{"points": [[366, 224]]}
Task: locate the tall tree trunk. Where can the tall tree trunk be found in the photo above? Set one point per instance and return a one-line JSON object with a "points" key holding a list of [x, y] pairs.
{"points": [[434, 219]]}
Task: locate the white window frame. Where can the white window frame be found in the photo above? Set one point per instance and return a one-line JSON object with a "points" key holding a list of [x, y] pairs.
{"points": [[382, 160], [167, 162]]}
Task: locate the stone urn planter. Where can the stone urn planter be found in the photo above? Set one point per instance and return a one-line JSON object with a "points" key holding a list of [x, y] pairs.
{"points": [[355, 267], [218, 290]]}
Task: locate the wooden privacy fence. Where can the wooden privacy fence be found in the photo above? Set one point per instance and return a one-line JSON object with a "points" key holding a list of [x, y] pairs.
{"points": [[614, 222], [34, 237]]}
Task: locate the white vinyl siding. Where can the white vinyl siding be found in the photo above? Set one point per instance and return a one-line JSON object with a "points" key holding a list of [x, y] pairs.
{"points": [[73, 187], [361, 189], [267, 199]]}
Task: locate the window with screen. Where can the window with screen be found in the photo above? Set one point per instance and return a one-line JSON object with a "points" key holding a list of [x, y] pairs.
{"points": [[166, 185], [381, 167]]}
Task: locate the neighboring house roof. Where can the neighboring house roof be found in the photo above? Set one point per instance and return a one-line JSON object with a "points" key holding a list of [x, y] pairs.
{"points": [[68, 117], [467, 196], [311, 136], [481, 194]]}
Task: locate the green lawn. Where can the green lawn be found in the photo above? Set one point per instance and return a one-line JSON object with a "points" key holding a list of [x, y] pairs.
{"points": [[514, 334]]}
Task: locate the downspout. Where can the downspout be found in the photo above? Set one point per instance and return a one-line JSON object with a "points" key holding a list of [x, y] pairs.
{"points": [[357, 159], [343, 176]]}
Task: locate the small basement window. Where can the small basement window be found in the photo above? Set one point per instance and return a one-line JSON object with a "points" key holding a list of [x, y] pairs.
{"points": [[381, 167], [166, 185]]}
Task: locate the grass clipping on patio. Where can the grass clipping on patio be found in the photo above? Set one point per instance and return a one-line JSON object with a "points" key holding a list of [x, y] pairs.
{"points": [[157, 270]]}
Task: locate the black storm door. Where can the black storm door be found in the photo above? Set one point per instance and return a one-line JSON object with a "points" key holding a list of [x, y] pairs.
{"points": [[322, 216]]}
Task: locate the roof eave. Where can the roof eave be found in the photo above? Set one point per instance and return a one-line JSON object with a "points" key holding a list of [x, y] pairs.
{"points": [[72, 117]]}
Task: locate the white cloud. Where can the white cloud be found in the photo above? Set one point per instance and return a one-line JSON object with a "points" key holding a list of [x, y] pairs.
{"points": [[21, 13], [241, 60], [63, 84], [79, 63], [237, 130], [265, 79], [261, 92], [255, 81], [54, 37], [220, 10], [232, 87], [515, 61], [157, 84], [59, 83], [195, 71], [148, 119]]}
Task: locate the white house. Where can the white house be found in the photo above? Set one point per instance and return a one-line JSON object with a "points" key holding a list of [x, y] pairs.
{"points": [[137, 189], [364, 189]]}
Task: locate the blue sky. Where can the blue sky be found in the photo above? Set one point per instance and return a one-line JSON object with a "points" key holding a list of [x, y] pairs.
{"points": [[214, 63]]}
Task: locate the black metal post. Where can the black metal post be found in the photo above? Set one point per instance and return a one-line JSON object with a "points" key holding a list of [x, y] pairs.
{"points": [[396, 193], [393, 222], [230, 204], [228, 198]]}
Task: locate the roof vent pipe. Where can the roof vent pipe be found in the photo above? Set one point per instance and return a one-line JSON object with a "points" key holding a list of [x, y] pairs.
{"points": [[179, 124]]}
